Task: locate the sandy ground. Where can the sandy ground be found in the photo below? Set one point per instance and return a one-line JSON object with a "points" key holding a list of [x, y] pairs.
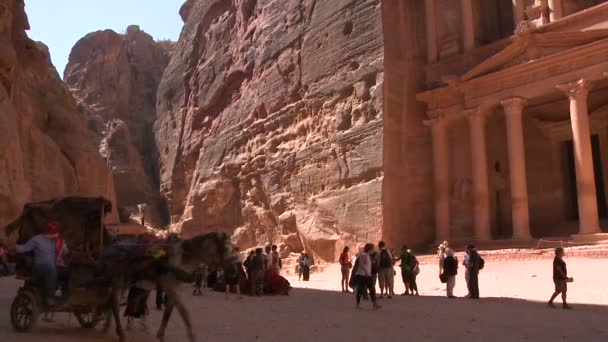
{"points": [[513, 310]]}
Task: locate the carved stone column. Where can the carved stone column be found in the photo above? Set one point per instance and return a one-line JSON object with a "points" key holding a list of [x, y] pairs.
{"points": [[468, 23], [431, 30], [519, 11], [441, 173], [481, 206], [517, 167], [578, 92], [556, 9]]}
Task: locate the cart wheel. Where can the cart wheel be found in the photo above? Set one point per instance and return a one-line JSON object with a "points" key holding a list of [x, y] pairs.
{"points": [[91, 319], [87, 320], [24, 312]]}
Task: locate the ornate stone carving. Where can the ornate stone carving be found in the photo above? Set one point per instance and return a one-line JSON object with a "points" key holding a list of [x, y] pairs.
{"points": [[524, 27], [575, 90]]}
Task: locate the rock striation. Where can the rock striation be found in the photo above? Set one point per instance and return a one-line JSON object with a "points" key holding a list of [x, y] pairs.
{"points": [[270, 123], [114, 78], [46, 150]]}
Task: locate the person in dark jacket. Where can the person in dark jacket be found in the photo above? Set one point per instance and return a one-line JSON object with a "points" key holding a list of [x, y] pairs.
{"points": [[450, 270], [473, 268], [560, 278]]}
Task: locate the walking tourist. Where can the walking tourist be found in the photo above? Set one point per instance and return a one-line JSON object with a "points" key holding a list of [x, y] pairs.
{"points": [[450, 270], [363, 276], [386, 275], [474, 264], [560, 278], [232, 272], [375, 259], [345, 267]]}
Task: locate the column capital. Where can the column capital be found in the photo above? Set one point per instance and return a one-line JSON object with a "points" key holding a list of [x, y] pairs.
{"points": [[479, 112], [575, 90], [514, 104]]}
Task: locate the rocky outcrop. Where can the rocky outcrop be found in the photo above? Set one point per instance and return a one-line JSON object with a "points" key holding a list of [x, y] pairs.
{"points": [[46, 150], [270, 123], [114, 78]]}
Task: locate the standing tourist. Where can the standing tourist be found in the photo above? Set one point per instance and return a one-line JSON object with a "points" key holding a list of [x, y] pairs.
{"points": [[375, 259], [268, 259], [345, 267], [441, 255], [363, 276], [305, 266], [414, 270], [405, 269], [560, 278], [299, 265], [386, 275], [257, 273], [450, 270], [45, 269], [232, 273], [277, 264], [466, 262], [473, 267]]}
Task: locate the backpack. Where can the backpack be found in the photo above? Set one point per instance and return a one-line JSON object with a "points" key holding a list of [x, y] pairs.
{"points": [[385, 259], [482, 263]]}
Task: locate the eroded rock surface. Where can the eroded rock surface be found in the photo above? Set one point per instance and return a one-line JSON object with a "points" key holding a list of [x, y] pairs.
{"points": [[114, 78], [46, 150], [270, 123]]}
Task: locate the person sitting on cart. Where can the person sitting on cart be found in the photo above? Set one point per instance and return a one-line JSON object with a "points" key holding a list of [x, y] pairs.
{"points": [[45, 269], [61, 262]]}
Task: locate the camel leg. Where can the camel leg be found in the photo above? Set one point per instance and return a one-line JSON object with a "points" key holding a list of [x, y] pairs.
{"points": [[116, 313], [183, 312], [163, 324]]}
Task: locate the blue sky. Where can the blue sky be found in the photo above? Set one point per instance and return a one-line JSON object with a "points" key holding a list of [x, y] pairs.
{"points": [[60, 23]]}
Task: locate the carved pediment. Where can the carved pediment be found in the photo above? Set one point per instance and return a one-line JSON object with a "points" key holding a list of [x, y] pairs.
{"points": [[530, 46]]}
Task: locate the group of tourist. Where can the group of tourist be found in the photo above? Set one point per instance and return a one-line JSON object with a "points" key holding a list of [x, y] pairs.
{"points": [[263, 272], [368, 266]]}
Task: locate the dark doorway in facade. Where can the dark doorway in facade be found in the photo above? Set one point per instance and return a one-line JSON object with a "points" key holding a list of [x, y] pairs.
{"points": [[570, 177]]}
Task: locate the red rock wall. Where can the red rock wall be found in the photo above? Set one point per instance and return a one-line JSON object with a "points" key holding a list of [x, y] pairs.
{"points": [[114, 78], [270, 122], [46, 151]]}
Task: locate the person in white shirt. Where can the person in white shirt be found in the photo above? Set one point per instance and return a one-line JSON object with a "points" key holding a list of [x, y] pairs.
{"points": [[363, 275]]}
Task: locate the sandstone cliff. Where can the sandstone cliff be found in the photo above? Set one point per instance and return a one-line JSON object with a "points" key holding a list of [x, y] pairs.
{"points": [[46, 151], [114, 78], [270, 122]]}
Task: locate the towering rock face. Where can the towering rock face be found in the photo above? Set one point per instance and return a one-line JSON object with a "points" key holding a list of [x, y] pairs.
{"points": [[270, 123], [46, 151], [114, 78]]}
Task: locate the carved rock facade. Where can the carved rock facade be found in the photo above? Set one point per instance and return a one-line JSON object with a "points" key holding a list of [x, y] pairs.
{"points": [[114, 78], [46, 150], [270, 123]]}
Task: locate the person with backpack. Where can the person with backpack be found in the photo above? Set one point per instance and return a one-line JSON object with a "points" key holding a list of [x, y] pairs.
{"points": [[363, 276], [450, 270], [386, 274], [475, 264], [232, 275], [375, 259]]}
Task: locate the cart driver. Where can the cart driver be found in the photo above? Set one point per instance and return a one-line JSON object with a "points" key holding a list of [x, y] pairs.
{"points": [[45, 270]]}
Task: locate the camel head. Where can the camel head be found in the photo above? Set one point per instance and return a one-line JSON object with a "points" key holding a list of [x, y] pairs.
{"points": [[213, 249]]}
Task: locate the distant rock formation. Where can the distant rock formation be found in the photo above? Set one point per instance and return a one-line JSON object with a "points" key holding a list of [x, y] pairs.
{"points": [[114, 78], [270, 123], [46, 150]]}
